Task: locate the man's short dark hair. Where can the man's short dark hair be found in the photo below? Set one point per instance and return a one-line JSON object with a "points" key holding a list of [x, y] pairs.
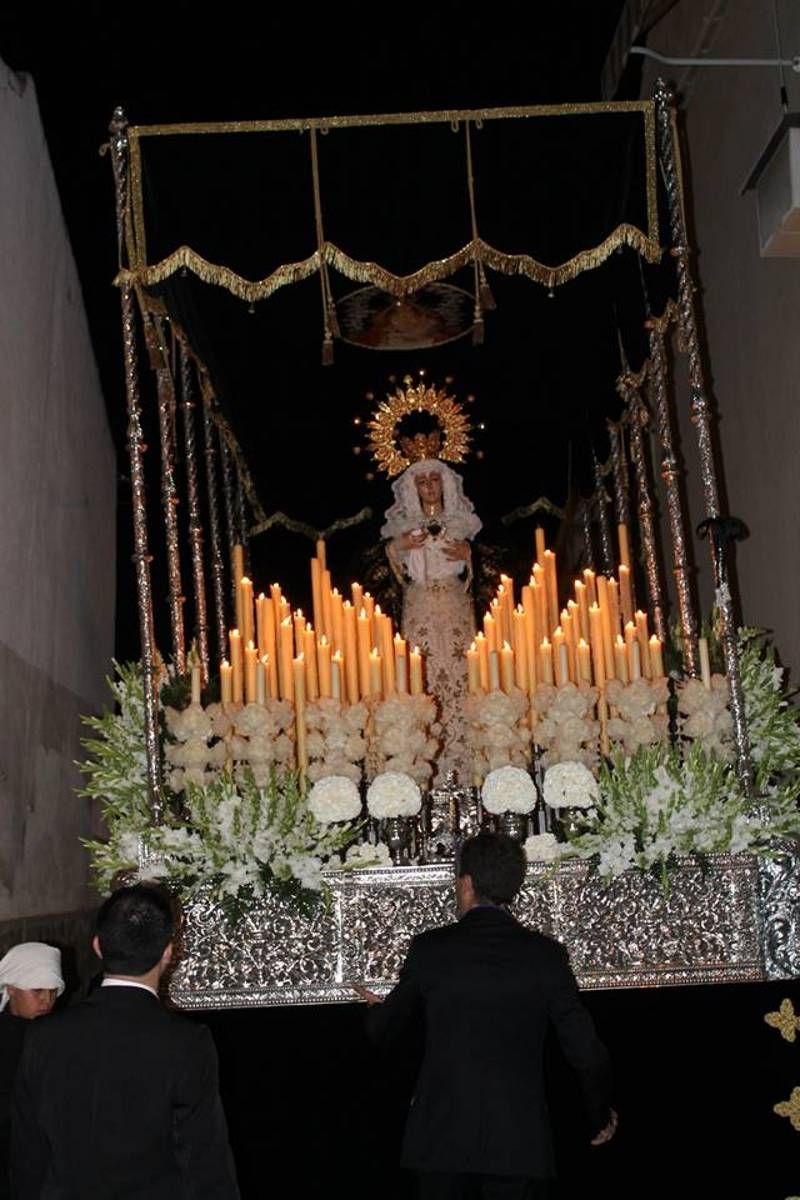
{"points": [[496, 864], [134, 927]]}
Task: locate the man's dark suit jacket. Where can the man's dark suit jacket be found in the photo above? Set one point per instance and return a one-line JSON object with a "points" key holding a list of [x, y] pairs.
{"points": [[489, 989], [117, 1099]]}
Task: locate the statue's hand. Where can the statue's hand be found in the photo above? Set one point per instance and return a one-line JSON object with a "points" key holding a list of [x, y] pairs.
{"points": [[412, 539], [457, 551]]}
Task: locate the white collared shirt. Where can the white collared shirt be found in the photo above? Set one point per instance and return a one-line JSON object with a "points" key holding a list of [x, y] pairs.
{"points": [[112, 981]]}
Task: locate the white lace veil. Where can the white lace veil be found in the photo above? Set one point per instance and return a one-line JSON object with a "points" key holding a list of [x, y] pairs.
{"points": [[406, 513]]}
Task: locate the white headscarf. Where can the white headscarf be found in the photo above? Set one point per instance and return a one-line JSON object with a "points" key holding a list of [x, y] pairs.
{"points": [[30, 965], [406, 513]]}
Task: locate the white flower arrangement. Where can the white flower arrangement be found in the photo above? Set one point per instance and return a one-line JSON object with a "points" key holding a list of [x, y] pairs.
{"points": [[334, 798], [508, 789], [704, 715], [237, 839], [363, 855], [566, 728], [405, 736], [335, 739], [542, 847], [570, 785], [255, 738], [392, 794], [639, 713], [501, 736]]}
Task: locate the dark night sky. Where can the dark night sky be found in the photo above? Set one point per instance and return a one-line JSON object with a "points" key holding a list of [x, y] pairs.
{"points": [[544, 378]]}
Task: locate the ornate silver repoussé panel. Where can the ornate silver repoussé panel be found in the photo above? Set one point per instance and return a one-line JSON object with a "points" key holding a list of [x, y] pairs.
{"points": [[734, 920]]}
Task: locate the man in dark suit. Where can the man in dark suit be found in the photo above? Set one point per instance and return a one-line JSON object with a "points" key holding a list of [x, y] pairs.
{"points": [[117, 1098], [489, 989]]}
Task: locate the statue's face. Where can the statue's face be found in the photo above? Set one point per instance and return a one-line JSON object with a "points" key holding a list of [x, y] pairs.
{"points": [[429, 488]]}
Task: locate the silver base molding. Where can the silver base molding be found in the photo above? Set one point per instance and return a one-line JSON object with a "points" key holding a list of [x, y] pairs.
{"points": [[730, 919]]}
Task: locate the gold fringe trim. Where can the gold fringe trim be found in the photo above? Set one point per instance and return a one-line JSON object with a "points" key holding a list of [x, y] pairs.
{"points": [[399, 286], [279, 518], [528, 510]]}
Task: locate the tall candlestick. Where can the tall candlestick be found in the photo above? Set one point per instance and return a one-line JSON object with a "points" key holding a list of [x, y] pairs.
{"points": [[337, 619], [621, 659], [299, 629], [225, 682], [613, 606], [324, 668], [287, 659], [261, 681], [337, 675], [246, 627], [268, 649], [520, 648], [605, 614], [310, 656], [590, 580], [507, 668], [552, 587], [364, 648], [625, 593], [494, 671], [375, 675], [705, 662], [490, 631], [582, 598], [597, 644], [624, 546], [299, 691], [386, 649], [656, 658], [316, 592], [571, 635], [643, 637], [545, 661], [400, 663], [635, 657], [528, 608], [473, 670], [237, 665], [250, 672], [483, 659], [351, 653], [416, 672], [238, 572], [196, 683], [327, 606], [584, 661], [263, 615], [540, 545], [321, 553], [560, 665], [358, 596]]}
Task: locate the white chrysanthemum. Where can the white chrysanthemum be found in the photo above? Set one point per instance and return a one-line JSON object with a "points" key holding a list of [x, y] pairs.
{"points": [[334, 798], [393, 794], [570, 785], [508, 789], [542, 847]]}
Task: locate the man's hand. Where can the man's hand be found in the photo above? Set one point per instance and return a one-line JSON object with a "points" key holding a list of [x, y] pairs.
{"points": [[606, 1134], [365, 994]]}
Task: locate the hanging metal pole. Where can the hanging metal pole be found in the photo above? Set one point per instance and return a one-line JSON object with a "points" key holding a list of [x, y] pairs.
{"points": [[159, 361], [669, 152], [136, 448], [195, 518], [602, 502], [638, 419], [217, 560]]}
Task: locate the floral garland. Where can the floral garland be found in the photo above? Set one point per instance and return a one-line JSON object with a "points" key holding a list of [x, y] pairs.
{"points": [[566, 729], [336, 740], [638, 713], [254, 738]]}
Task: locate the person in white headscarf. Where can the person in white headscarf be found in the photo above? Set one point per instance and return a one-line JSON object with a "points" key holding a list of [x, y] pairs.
{"points": [[428, 530], [30, 983]]}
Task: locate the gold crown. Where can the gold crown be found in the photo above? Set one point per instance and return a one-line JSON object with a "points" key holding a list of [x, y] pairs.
{"points": [[450, 442]]}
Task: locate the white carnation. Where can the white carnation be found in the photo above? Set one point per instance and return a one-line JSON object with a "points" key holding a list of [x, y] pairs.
{"points": [[570, 785], [393, 794], [508, 789], [334, 798], [542, 847], [363, 855]]}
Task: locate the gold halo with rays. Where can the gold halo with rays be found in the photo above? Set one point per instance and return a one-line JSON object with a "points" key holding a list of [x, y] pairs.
{"points": [[393, 453]]}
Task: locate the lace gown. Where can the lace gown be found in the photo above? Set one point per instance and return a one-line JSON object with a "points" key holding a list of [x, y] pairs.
{"points": [[438, 617]]}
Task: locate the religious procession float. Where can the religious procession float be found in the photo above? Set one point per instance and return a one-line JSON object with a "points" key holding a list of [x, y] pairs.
{"points": [[301, 774]]}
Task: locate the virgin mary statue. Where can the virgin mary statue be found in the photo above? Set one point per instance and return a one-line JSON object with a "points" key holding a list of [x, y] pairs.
{"points": [[428, 531]]}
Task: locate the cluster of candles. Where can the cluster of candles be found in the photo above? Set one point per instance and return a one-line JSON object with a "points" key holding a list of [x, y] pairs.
{"points": [[597, 636], [349, 652]]}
